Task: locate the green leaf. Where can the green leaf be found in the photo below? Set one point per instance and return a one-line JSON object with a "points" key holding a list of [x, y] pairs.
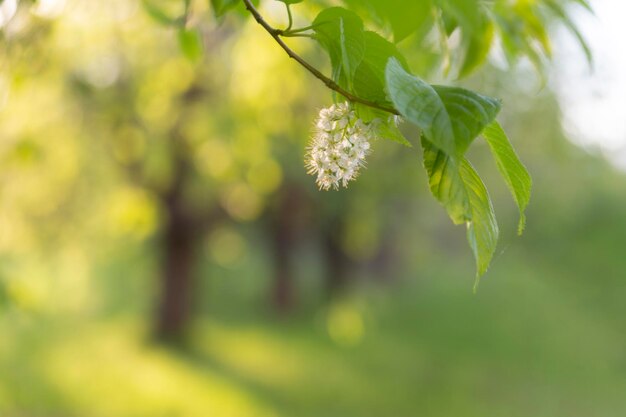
{"points": [[514, 172], [535, 28], [341, 33], [469, 113], [291, 1], [160, 15], [349, 64], [190, 41], [466, 12], [477, 47], [458, 187], [369, 79], [367, 113], [561, 14], [482, 230], [420, 104], [385, 125], [445, 182], [220, 7], [389, 130], [450, 117], [405, 17], [523, 31]]}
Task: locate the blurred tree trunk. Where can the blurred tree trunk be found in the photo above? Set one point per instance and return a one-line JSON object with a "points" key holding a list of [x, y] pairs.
{"points": [[183, 230], [283, 291], [179, 247], [288, 217], [338, 263]]}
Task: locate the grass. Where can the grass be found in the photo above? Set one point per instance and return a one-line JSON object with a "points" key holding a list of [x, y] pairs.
{"points": [[523, 346]]}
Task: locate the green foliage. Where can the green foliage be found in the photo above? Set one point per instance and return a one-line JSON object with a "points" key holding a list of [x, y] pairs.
{"points": [[370, 70], [80, 253], [468, 112], [446, 184], [369, 78], [562, 15], [482, 229], [163, 15], [418, 101], [477, 46], [190, 41], [514, 172], [389, 130], [450, 119], [457, 186], [403, 17], [342, 34], [221, 7]]}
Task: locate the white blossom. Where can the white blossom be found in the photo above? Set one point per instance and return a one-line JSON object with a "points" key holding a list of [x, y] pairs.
{"points": [[339, 146]]}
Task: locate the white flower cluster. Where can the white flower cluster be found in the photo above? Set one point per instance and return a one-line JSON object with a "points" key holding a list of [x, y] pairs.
{"points": [[339, 146]]}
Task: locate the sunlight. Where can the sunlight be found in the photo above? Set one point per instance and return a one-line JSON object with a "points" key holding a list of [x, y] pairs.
{"points": [[594, 101], [7, 11]]}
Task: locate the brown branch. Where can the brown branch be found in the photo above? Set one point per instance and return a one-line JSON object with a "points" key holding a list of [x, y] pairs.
{"points": [[276, 33]]}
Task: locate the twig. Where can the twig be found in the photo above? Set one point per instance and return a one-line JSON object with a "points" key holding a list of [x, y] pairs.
{"points": [[276, 33]]}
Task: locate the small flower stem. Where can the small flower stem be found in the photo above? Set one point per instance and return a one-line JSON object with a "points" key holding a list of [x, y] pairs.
{"points": [[277, 33]]}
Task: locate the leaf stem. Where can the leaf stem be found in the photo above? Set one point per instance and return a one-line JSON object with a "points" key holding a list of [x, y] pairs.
{"points": [[277, 33], [303, 29], [298, 35], [289, 16]]}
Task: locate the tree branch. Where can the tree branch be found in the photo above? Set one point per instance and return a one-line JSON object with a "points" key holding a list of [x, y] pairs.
{"points": [[276, 33]]}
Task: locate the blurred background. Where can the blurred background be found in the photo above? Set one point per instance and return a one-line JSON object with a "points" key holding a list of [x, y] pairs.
{"points": [[163, 252]]}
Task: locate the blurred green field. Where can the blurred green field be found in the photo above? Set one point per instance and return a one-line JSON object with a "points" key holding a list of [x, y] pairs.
{"points": [[524, 347], [544, 336]]}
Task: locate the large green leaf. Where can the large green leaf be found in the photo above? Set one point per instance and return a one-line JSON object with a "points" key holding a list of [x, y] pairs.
{"points": [[342, 34], [405, 17], [514, 172], [445, 182], [450, 117], [482, 230], [457, 186], [402, 16], [469, 113], [369, 78], [420, 104]]}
